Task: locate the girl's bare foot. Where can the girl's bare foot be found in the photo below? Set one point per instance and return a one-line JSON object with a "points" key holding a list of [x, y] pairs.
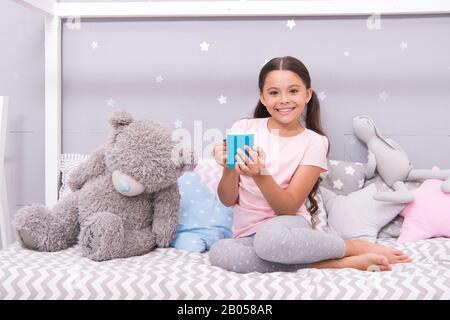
{"points": [[358, 247], [365, 262]]}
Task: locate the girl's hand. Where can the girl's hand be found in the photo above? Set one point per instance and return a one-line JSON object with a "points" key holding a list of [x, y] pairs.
{"points": [[220, 153], [252, 166]]}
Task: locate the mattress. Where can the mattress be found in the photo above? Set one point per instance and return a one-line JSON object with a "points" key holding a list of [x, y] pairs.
{"points": [[174, 274]]}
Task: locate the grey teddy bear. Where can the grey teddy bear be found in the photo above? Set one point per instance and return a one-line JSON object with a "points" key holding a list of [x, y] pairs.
{"points": [[125, 200]]}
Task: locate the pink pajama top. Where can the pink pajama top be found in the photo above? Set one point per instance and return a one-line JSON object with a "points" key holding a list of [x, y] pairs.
{"points": [[283, 156]]}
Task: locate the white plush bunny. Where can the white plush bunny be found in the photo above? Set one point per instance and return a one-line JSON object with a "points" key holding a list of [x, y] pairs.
{"points": [[392, 163]]}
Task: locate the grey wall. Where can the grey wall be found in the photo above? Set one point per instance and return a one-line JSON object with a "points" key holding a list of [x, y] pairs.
{"points": [[349, 63], [22, 79]]}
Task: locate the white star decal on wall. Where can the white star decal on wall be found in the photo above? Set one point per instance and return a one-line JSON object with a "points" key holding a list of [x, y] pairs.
{"points": [[204, 46], [290, 24], [321, 95], [94, 45], [349, 170], [404, 45], [337, 184], [222, 99], [383, 96], [110, 102], [178, 123], [159, 79]]}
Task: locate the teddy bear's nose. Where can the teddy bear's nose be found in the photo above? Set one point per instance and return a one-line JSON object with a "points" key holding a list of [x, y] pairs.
{"points": [[126, 185]]}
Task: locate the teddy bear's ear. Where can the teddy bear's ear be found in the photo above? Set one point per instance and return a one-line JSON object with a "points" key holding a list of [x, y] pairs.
{"points": [[120, 118]]}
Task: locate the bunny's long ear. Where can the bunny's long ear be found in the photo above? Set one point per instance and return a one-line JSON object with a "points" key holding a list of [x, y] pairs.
{"points": [[120, 118], [378, 133]]}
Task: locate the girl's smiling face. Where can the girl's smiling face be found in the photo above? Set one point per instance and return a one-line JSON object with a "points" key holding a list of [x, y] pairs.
{"points": [[285, 95]]}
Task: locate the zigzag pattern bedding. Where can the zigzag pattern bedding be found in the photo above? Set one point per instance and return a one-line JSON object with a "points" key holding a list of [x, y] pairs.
{"points": [[174, 274]]}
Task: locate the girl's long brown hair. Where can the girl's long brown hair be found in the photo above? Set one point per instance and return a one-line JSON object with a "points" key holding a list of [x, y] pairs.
{"points": [[312, 117]]}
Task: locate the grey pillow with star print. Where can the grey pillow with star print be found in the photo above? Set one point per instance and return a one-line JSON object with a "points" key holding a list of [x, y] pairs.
{"points": [[343, 177], [358, 215]]}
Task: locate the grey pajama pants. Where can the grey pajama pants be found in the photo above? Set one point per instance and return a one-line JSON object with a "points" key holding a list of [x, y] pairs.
{"points": [[284, 243]]}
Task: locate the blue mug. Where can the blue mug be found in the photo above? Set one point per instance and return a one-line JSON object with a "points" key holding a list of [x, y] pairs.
{"points": [[235, 142]]}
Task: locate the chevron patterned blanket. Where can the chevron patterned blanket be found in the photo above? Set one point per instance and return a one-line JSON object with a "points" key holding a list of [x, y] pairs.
{"points": [[174, 274]]}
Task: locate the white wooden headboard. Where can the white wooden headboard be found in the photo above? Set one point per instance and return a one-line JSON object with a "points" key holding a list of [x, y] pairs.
{"points": [[55, 11], [5, 230]]}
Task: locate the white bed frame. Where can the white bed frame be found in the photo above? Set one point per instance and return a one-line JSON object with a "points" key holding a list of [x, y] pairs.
{"points": [[5, 230], [54, 12]]}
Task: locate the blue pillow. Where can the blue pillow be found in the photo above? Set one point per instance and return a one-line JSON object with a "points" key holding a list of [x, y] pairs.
{"points": [[203, 219]]}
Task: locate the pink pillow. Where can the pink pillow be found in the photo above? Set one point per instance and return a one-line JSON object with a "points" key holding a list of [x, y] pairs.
{"points": [[428, 216]]}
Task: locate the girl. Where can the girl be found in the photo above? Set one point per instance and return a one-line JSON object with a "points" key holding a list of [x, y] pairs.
{"points": [[267, 189]]}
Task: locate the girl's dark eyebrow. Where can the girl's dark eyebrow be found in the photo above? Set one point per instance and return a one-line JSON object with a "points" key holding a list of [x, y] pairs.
{"points": [[292, 85]]}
